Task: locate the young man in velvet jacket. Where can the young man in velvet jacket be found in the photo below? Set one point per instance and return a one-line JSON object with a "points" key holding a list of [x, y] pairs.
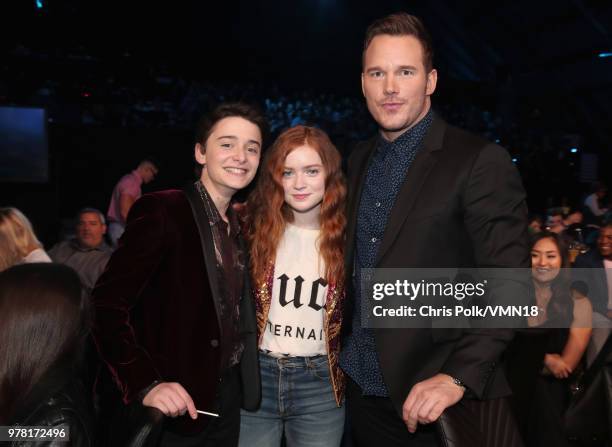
{"points": [[175, 322]]}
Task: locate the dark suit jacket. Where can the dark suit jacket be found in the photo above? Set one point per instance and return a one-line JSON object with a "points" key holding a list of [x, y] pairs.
{"points": [[595, 280], [156, 309], [461, 205]]}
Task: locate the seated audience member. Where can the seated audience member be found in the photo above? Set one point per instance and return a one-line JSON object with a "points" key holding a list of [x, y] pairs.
{"points": [[558, 305], [553, 349], [44, 320], [125, 193], [18, 243], [573, 233], [598, 280], [87, 253], [574, 227], [574, 217], [535, 224], [554, 223], [593, 203]]}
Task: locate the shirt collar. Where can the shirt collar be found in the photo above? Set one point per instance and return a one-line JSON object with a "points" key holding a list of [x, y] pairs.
{"points": [[232, 217], [411, 138], [214, 217], [76, 245]]}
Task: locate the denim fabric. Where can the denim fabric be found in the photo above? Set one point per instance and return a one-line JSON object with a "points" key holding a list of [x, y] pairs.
{"points": [[297, 397]]}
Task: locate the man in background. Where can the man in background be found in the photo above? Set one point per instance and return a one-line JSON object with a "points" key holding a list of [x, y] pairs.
{"points": [[599, 279], [125, 193], [87, 253]]}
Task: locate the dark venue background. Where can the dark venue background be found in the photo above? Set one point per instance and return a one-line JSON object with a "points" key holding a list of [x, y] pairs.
{"points": [[121, 80]]}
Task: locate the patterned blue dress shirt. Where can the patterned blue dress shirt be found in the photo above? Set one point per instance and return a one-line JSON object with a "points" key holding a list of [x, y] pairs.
{"points": [[384, 179]]}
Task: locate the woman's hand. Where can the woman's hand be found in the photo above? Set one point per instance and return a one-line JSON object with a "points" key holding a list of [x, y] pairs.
{"points": [[557, 366]]}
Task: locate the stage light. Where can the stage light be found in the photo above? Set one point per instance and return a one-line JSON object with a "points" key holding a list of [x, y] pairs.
{"points": [[602, 55], [514, 160], [39, 4], [574, 150]]}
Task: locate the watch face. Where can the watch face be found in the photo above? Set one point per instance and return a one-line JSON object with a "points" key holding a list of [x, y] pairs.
{"points": [[458, 382]]}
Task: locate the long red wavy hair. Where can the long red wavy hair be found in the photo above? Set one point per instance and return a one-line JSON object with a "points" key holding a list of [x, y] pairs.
{"points": [[267, 213]]}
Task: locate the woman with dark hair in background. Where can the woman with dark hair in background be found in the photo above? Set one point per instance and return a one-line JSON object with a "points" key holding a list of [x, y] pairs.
{"points": [[296, 233], [542, 359], [559, 306], [44, 321]]}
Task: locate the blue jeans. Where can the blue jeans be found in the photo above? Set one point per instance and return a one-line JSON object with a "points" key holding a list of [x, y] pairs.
{"points": [[297, 397]]}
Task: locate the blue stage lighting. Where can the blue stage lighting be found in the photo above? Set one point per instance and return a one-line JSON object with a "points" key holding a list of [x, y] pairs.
{"points": [[605, 55], [514, 160], [39, 4], [574, 150]]}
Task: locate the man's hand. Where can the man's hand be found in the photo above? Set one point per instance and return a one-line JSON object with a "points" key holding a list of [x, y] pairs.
{"points": [[428, 399], [171, 399], [557, 366]]}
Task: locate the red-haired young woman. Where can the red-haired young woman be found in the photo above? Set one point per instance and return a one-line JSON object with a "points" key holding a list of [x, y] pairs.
{"points": [[296, 232]]}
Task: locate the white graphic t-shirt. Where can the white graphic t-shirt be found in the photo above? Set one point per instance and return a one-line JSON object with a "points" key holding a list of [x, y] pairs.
{"points": [[295, 320]]}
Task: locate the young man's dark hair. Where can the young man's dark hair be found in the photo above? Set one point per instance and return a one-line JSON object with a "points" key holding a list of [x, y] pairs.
{"points": [[249, 112], [207, 122], [402, 24]]}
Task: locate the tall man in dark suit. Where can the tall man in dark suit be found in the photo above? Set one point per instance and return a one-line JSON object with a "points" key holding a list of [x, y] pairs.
{"points": [[423, 194], [174, 317]]}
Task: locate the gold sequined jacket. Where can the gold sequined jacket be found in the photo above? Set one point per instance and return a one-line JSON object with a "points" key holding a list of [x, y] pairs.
{"points": [[331, 325]]}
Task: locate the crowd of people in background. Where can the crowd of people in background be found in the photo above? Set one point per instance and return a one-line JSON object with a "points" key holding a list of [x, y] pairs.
{"points": [[140, 93], [170, 319], [579, 235]]}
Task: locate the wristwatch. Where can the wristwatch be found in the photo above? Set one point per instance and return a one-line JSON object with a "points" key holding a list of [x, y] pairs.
{"points": [[458, 382]]}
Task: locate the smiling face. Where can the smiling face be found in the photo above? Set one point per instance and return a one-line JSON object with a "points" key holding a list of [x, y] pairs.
{"points": [[231, 156], [604, 242], [545, 261], [303, 181], [396, 84]]}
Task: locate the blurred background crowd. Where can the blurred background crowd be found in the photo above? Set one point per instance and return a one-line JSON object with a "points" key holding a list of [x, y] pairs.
{"points": [[112, 85]]}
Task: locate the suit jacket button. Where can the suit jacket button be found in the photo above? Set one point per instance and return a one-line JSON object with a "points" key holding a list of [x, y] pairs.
{"points": [[214, 343]]}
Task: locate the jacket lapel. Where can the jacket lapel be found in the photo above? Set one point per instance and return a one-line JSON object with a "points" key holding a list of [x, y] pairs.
{"points": [[357, 179], [411, 188], [208, 246]]}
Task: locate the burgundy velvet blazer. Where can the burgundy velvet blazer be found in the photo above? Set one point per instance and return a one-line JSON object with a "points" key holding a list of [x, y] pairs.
{"points": [[156, 310]]}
